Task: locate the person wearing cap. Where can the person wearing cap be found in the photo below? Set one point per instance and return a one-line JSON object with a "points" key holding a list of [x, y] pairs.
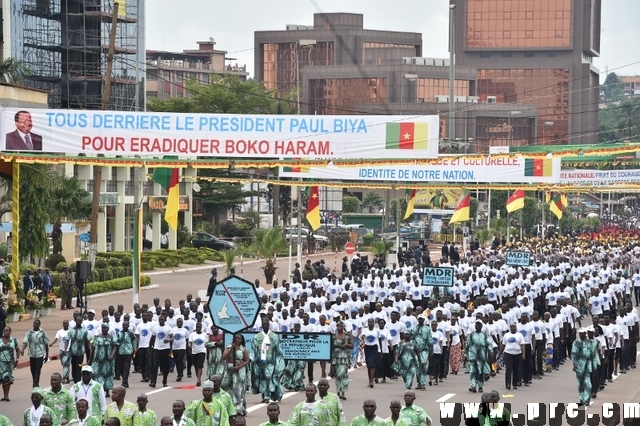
{"points": [[33, 414], [583, 356], [4, 421], [90, 390], [207, 411]]}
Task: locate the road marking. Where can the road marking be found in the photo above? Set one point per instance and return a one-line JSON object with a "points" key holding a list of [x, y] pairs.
{"points": [[447, 396], [158, 390]]}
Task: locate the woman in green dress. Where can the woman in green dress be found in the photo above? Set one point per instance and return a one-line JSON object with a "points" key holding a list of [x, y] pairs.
{"points": [[477, 354], [342, 346], [293, 376], [406, 362], [215, 348], [103, 354], [9, 354], [235, 378]]}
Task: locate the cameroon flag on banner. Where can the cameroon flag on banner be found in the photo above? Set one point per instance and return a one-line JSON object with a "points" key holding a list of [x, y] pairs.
{"points": [[462, 209], [538, 167], [556, 206], [407, 136], [169, 179], [411, 201], [313, 208]]}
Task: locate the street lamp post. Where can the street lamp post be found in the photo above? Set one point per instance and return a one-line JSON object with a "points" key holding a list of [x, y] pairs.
{"points": [[300, 43], [411, 77]]}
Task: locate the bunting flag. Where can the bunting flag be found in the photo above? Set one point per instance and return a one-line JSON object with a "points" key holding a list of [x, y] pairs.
{"points": [[547, 196], [462, 210], [564, 199], [411, 201], [407, 136], [515, 201], [313, 208], [169, 179], [556, 206], [538, 167]]}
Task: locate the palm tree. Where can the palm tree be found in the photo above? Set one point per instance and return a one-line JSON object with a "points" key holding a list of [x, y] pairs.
{"points": [[268, 243], [629, 114], [68, 201], [229, 258], [381, 247], [499, 226], [13, 70]]}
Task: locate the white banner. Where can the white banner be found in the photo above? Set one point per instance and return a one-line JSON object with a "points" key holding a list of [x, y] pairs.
{"points": [[599, 177], [445, 169], [219, 135]]}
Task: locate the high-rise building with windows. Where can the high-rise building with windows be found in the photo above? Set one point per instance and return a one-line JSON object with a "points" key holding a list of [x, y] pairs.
{"points": [[536, 52]]}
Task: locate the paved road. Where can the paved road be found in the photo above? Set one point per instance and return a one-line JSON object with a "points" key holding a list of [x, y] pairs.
{"points": [[557, 387]]}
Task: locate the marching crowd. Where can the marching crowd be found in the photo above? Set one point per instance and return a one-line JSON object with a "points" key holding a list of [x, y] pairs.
{"points": [[527, 321]]}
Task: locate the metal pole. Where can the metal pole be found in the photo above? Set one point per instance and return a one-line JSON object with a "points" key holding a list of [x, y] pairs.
{"points": [[489, 211], [401, 83], [299, 254], [452, 74], [297, 80], [397, 221]]}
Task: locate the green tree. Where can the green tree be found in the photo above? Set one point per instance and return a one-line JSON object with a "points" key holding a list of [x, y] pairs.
{"points": [[530, 214], [36, 184], [218, 197], [350, 204], [499, 202], [628, 120], [372, 199], [268, 243], [613, 88], [68, 201], [473, 209]]}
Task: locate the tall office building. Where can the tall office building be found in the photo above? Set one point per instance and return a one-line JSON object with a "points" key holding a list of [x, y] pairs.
{"points": [[65, 44], [536, 52]]}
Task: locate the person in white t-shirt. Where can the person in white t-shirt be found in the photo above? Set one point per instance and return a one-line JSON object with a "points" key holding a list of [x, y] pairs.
{"points": [[197, 343], [161, 338], [513, 349], [438, 339], [63, 342]]}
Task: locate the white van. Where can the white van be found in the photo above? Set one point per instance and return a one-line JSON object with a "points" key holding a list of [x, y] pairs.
{"points": [[354, 226]]}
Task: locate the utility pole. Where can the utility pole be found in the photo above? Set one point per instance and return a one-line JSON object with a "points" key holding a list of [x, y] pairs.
{"points": [[97, 170]]}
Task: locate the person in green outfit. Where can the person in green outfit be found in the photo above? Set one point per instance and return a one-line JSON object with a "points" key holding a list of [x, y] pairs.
{"points": [[9, 356], [144, 416], [4, 421], [91, 391], [126, 340], [206, 411], [59, 400], [121, 408], [215, 350], [293, 375], [273, 412], [46, 420], [267, 364], [223, 397], [38, 343], [421, 334], [394, 419], [310, 412], [341, 359], [406, 363], [235, 377], [166, 421], [103, 355], [33, 414], [477, 353], [83, 418], [492, 412], [332, 401], [583, 357], [179, 419], [369, 417], [414, 415]]}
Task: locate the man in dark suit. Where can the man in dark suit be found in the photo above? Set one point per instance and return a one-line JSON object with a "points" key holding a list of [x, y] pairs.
{"points": [[22, 139]]}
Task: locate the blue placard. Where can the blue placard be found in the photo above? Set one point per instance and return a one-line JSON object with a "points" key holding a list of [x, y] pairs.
{"points": [[518, 258], [234, 304], [295, 346], [441, 276], [85, 237]]}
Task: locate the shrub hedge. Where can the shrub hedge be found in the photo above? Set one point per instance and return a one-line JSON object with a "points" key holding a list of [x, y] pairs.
{"points": [[111, 285]]}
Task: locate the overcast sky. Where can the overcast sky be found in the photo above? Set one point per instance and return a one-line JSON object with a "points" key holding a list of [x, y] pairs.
{"points": [[232, 24]]}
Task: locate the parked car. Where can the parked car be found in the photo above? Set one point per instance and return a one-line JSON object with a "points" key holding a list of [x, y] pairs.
{"points": [[291, 234], [204, 239]]}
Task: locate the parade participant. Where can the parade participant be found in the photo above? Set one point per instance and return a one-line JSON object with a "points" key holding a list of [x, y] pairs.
{"points": [[477, 354], [394, 419], [207, 411], [421, 334], [438, 338], [120, 408], [310, 412], [83, 418], [102, 359], [215, 349], [9, 356], [370, 341], [90, 390], [342, 346], [273, 412], [369, 417], [267, 364], [63, 348], [236, 358], [198, 349], [583, 356], [126, 341], [4, 421], [513, 350], [223, 397], [144, 416], [33, 414], [77, 346], [406, 363], [332, 401], [179, 419], [38, 343], [59, 400], [411, 413], [161, 338]]}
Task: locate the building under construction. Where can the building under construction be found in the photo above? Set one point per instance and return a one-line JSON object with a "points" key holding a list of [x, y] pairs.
{"points": [[65, 44]]}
